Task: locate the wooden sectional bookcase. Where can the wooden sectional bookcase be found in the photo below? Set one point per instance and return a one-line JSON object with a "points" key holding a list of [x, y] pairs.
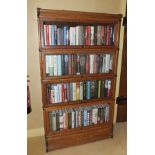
{"points": [[78, 64]]}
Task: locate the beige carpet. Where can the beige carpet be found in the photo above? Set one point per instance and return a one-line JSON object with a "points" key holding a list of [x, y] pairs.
{"points": [[115, 146]]}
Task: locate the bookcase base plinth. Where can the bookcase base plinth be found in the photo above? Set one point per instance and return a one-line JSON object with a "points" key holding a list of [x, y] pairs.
{"points": [[77, 138]]}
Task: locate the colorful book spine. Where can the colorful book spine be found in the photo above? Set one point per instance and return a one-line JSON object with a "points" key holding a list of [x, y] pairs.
{"points": [[74, 91], [88, 90], [59, 65]]}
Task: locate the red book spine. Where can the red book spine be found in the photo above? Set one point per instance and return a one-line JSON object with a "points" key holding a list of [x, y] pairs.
{"points": [[47, 35], [63, 93], [87, 64], [87, 35]]}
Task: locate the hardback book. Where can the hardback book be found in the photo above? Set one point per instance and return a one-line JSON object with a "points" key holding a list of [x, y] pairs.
{"points": [[65, 35], [106, 88], [60, 36], [57, 120], [85, 117], [71, 92], [104, 63], [73, 119], [91, 35], [93, 89], [107, 63], [52, 116], [103, 88], [74, 91], [111, 35], [72, 36], [109, 88], [105, 35], [50, 35], [102, 35], [108, 36], [82, 64], [61, 119], [55, 65], [78, 64], [77, 90], [81, 90], [88, 90], [59, 65], [66, 66], [91, 63], [87, 64], [99, 35], [111, 63]]}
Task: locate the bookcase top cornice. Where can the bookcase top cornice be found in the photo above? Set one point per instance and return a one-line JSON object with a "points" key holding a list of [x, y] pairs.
{"points": [[77, 16]]}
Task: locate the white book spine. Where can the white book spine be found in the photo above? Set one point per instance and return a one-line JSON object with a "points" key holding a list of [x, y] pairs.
{"points": [[107, 63], [72, 35], [92, 35], [55, 65], [77, 35], [81, 90], [91, 63], [95, 115], [111, 61]]}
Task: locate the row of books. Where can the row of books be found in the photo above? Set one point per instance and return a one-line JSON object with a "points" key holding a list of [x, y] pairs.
{"points": [[78, 117], [75, 64], [74, 91], [78, 35]]}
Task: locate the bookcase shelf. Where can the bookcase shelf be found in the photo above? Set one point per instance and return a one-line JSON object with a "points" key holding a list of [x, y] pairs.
{"points": [[78, 66]]}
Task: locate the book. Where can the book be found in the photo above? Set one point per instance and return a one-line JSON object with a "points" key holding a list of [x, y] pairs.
{"points": [[55, 65], [99, 35], [107, 63], [78, 64], [81, 90], [74, 91], [93, 89], [66, 66], [82, 64], [77, 90], [59, 71], [91, 35], [88, 90], [91, 69], [72, 36]]}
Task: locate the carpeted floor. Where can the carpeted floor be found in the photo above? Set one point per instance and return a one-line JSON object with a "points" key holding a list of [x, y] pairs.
{"points": [[115, 146]]}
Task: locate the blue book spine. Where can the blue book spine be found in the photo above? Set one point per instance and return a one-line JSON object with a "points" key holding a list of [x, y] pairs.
{"points": [[52, 35], [85, 117], [88, 90], [59, 65], [65, 35]]}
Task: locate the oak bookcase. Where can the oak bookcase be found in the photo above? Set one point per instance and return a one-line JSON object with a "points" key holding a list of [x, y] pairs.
{"points": [[77, 133]]}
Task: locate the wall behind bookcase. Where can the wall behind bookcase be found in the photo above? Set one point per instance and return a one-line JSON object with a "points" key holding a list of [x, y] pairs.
{"points": [[35, 118]]}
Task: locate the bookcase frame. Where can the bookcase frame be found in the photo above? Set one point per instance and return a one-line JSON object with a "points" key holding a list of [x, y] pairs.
{"points": [[69, 137]]}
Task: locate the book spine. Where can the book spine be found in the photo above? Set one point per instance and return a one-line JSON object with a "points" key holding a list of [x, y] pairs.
{"points": [[78, 64], [85, 117], [71, 91], [79, 118], [45, 41], [50, 37], [63, 92], [55, 65], [74, 91], [73, 119], [91, 63], [70, 63], [99, 88], [88, 90], [77, 90], [66, 66], [72, 35], [109, 88], [81, 90], [77, 34], [68, 92], [92, 35], [87, 64], [61, 120], [65, 35], [55, 35], [59, 65], [107, 63]]}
